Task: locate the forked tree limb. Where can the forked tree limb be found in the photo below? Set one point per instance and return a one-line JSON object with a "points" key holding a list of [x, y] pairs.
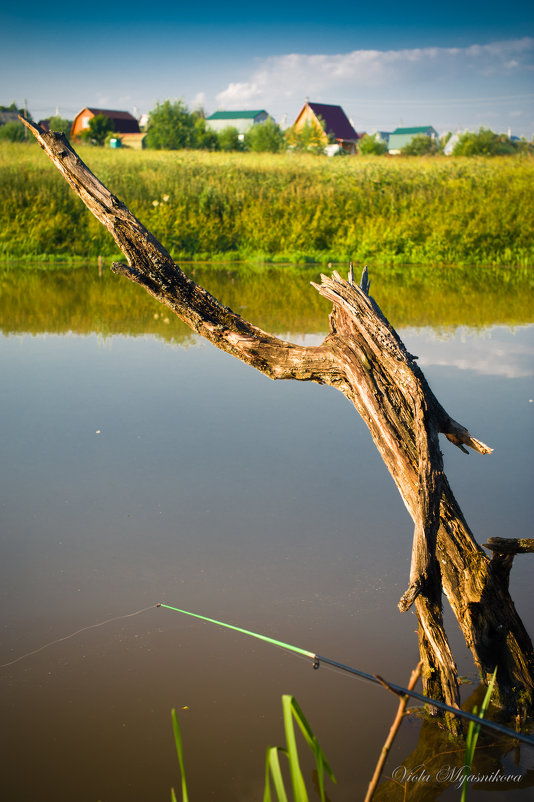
{"points": [[365, 359]]}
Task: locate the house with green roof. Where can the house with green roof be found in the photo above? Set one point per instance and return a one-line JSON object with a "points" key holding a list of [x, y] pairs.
{"points": [[403, 136], [242, 120]]}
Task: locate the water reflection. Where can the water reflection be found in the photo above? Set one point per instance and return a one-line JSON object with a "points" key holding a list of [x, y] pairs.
{"points": [[276, 299], [135, 472], [496, 351]]}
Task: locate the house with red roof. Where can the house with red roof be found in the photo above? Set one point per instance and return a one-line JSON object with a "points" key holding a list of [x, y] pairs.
{"points": [[332, 121], [123, 121]]}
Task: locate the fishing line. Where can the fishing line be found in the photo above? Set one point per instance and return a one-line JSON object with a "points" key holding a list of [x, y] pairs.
{"points": [[72, 634], [273, 641], [316, 658], [398, 689]]}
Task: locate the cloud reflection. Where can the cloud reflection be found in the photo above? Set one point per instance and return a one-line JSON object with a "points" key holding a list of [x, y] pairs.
{"points": [[497, 351]]}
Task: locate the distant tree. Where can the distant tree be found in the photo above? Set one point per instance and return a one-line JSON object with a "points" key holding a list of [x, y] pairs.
{"points": [[229, 139], [57, 123], [99, 128], [484, 143], [524, 146], [310, 137], [369, 145], [266, 137], [421, 145], [170, 127], [204, 138], [14, 107], [12, 131]]}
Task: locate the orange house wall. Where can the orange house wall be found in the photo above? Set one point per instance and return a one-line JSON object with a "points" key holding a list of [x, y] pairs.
{"points": [[77, 128], [307, 116]]}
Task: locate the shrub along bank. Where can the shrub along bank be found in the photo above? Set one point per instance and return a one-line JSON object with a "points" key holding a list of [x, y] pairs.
{"points": [[278, 207]]}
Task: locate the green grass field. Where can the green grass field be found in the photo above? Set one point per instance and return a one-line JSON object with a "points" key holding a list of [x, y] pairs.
{"points": [[282, 207]]}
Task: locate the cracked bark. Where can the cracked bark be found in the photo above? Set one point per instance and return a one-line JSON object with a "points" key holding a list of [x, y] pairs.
{"points": [[364, 358]]}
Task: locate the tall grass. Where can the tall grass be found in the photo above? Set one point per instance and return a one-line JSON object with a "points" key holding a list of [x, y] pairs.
{"points": [[472, 736], [273, 769], [283, 207], [293, 712]]}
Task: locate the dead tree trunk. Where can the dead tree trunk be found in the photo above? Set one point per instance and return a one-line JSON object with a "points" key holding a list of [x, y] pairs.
{"points": [[364, 358]]}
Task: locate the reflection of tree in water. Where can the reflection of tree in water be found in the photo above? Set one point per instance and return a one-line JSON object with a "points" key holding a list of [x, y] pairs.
{"points": [[78, 300], [436, 763]]}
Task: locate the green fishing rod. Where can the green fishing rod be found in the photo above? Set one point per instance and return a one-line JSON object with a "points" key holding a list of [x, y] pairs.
{"points": [[317, 659]]}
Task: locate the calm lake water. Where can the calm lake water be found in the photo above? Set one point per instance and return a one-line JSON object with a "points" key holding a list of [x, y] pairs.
{"points": [[140, 464]]}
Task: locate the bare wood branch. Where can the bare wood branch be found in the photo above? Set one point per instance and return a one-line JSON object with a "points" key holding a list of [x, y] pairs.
{"points": [[504, 550], [509, 545], [365, 359], [459, 435], [397, 721]]}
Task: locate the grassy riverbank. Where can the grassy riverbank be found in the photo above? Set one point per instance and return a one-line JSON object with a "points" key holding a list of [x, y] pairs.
{"points": [[281, 207]]}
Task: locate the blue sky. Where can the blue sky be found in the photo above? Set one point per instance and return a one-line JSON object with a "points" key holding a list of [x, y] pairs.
{"points": [[451, 65]]}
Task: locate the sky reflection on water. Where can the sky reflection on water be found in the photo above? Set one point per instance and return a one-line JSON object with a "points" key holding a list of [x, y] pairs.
{"points": [[135, 471]]}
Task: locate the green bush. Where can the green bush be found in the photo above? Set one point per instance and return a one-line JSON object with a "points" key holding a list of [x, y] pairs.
{"points": [[370, 146], [483, 143], [229, 139], [100, 127], [266, 137], [12, 131], [421, 145]]}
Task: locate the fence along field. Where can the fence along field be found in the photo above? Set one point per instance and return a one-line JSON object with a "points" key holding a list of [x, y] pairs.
{"points": [[281, 207]]}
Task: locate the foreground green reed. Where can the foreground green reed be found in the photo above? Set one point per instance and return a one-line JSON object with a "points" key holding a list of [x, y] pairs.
{"points": [[280, 778], [472, 735], [273, 769], [284, 207]]}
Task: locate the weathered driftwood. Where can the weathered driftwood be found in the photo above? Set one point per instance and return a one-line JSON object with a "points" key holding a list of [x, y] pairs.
{"points": [[364, 358], [503, 551]]}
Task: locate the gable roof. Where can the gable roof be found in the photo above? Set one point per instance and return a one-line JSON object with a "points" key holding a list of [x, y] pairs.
{"points": [[123, 121], [336, 121], [111, 113], [8, 116], [419, 129], [236, 115]]}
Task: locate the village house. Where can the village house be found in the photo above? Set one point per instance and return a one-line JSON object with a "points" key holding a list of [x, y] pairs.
{"points": [[381, 136], [403, 136], [9, 116], [123, 121], [241, 120], [332, 121], [133, 141]]}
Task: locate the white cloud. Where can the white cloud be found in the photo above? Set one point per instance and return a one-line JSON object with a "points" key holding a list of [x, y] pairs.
{"points": [[199, 101], [433, 76], [236, 94]]}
